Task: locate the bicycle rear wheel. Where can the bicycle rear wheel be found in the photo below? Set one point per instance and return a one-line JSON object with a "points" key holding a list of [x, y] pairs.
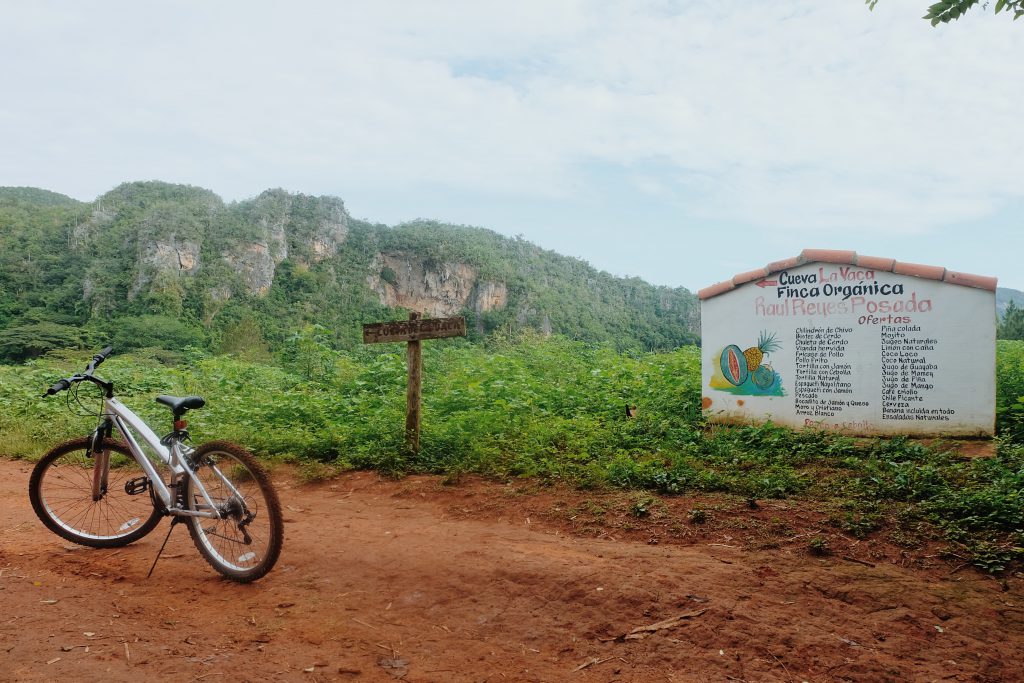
{"points": [[61, 491], [244, 542]]}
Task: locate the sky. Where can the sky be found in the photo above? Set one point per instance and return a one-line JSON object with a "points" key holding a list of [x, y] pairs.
{"points": [[681, 142]]}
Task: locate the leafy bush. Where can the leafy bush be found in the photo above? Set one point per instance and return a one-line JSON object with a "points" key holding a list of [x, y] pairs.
{"points": [[22, 342], [1010, 389], [161, 331], [548, 408]]}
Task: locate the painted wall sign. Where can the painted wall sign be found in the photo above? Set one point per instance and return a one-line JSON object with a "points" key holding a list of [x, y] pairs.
{"points": [[853, 348]]}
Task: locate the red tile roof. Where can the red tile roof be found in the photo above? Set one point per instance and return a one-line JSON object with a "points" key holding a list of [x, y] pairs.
{"points": [[852, 258]]}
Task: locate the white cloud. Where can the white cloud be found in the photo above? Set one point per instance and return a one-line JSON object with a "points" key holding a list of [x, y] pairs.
{"points": [[803, 115]]}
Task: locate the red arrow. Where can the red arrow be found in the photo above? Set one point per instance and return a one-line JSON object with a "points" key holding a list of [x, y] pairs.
{"points": [[767, 283]]}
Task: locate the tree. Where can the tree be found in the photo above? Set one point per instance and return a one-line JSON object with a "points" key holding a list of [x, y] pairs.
{"points": [[159, 331], [946, 11], [22, 342], [244, 339], [1012, 324]]}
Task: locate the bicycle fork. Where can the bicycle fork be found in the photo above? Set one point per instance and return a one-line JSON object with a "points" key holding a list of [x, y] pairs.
{"points": [[100, 460], [100, 472]]}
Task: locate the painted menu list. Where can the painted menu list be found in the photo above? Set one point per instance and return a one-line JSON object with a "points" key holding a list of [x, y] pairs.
{"points": [[909, 374], [823, 381]]}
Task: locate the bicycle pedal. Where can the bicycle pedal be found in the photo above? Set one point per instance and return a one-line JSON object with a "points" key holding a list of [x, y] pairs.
{"points": [[134, 487]]}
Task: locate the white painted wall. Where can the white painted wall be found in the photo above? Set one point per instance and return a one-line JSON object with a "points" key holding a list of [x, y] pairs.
{"points": [[859, 351]]}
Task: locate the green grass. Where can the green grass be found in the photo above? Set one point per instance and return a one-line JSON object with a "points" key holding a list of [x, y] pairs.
{"points": [[555, 410]]}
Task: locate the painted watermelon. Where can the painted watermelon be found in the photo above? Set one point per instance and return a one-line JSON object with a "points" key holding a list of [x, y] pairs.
{"points": [[734, 365]]}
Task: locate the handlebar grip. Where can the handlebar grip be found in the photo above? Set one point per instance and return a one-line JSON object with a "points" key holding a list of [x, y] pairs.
{"points": [[57, 388], [97, 359]]}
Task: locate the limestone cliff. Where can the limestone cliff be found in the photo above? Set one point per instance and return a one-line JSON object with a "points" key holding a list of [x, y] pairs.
{"points": [[164, 260], [408, 280], [310, 229], [294, 261], [175, 231]]}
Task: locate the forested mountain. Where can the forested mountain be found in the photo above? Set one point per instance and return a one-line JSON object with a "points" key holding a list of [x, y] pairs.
{"points": [[156, 264], [1004, 295]]}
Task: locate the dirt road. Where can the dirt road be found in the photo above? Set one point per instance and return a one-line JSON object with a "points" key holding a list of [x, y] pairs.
{"points": [[411, 580]]}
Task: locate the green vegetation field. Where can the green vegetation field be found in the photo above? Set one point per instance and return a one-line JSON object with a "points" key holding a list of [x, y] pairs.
{"points": [[556, 410]]}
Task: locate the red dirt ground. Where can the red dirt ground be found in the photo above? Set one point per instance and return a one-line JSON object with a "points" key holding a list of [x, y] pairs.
{"points": [[480, 581]]}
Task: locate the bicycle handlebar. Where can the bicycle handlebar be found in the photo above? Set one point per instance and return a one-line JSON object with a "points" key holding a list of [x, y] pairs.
{"points": [[99, 358], [57, 388], [64, 384]]}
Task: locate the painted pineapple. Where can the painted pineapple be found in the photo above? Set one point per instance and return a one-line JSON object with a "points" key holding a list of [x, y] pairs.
{"points": [[755, 354]]}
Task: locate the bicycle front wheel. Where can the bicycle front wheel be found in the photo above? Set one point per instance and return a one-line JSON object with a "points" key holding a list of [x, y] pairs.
{"points": [[244, 541], [61, 491]]}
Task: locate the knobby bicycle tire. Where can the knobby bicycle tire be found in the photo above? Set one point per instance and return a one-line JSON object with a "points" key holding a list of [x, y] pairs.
{"points": [[246, 541]]}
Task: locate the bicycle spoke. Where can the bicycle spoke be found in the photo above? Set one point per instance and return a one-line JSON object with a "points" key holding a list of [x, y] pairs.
{"points": [[63, 492], [237, 488]]}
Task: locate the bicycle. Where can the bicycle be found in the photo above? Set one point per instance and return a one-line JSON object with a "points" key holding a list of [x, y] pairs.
{"points": [[103, 492]]}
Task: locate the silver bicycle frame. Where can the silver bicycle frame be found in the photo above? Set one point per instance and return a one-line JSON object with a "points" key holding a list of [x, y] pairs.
{"points": [[129, 424]]}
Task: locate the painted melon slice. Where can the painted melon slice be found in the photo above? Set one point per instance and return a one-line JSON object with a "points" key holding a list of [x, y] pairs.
{"points": [[734, 365]]}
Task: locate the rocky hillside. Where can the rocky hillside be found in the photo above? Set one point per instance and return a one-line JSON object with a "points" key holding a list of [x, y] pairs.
{"points": [[168, 265]]}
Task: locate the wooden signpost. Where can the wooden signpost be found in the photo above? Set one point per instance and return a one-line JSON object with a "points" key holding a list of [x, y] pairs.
{"points": [[412, 331]]}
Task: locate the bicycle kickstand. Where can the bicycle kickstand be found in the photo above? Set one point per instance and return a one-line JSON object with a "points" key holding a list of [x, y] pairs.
{"points": [[174, 521]]}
